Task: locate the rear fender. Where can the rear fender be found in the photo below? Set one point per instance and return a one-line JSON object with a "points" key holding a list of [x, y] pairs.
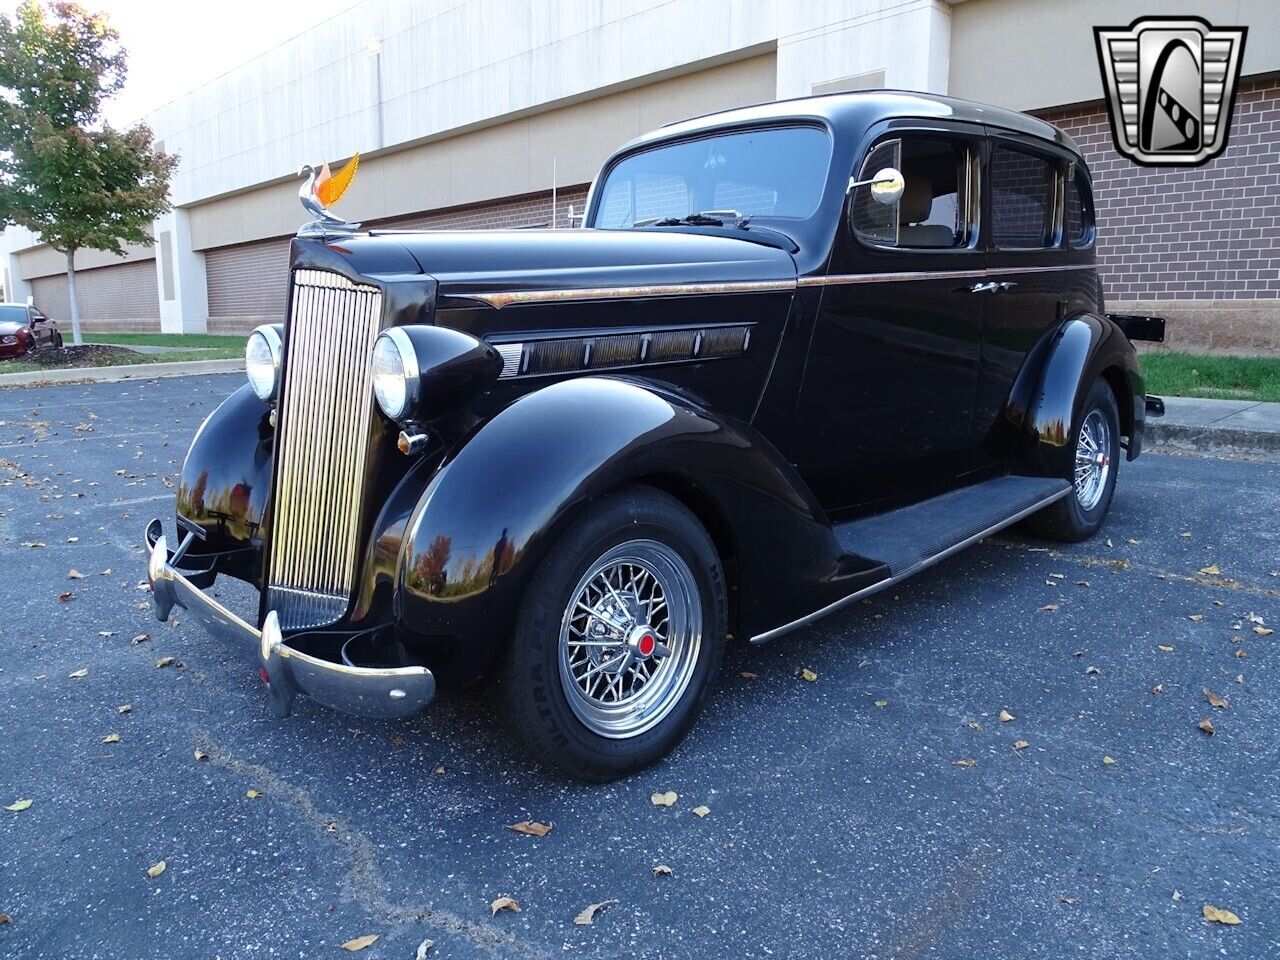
{"points": [[491, 513]]}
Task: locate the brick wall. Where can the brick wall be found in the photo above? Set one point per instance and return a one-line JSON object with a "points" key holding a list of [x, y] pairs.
{"points": [[1200, 245]]}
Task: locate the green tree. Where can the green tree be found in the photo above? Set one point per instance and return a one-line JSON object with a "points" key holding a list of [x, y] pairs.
{"points": [[64, 173]]}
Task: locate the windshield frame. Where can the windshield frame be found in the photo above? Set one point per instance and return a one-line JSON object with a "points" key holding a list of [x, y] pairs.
{"points": [[791, 226]]}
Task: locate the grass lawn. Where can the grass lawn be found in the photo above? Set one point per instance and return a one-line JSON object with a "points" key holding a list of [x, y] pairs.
{"points": [[1227, 378], [176, 340]]}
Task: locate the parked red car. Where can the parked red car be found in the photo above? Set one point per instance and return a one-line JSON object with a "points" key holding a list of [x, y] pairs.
{"points": [[24, 328]]}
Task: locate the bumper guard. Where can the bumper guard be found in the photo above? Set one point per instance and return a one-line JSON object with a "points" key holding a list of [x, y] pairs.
{"points": [[364, 691]]}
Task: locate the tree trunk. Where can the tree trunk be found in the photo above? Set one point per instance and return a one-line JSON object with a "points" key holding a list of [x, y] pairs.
{"points": [[75, 302]]}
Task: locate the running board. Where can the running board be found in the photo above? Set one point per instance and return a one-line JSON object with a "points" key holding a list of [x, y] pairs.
{"points": [[915, 537]]}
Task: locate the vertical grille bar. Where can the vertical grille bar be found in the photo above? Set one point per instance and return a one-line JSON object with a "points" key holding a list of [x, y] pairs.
{"points": [[322, 445]]}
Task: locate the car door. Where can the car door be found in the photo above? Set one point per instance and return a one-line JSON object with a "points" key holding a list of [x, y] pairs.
{"points": [[41, 329], [889, 384], [1026, 260]]}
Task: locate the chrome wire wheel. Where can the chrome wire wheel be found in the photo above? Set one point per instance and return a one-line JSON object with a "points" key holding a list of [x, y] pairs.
{"points": [[1093, 459], [629, 639]]}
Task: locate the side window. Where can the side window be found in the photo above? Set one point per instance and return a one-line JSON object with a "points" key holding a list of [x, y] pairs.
{"points": [[1077, 210], [933, 211], [1022, 186]]}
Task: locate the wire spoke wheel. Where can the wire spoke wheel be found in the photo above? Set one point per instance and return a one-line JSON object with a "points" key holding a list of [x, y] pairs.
{"points": [[629, 638], [1093, 459]]}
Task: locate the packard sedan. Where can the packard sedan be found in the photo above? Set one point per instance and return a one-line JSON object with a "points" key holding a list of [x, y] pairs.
{"points": [[797, 353]]}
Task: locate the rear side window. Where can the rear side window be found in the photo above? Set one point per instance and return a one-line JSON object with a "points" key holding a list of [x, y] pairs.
{"points": [[1077, 210], [934, 209], [1022, 187]]}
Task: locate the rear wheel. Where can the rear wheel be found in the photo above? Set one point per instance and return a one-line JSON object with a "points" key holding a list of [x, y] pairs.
{"points": [[619, 638], [1079, 515]]}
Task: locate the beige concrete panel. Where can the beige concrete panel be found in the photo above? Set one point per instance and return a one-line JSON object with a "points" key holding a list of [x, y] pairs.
{"points": [[44, 261], [1031, 54], [580, 137], [719, 88], [490, 162]]}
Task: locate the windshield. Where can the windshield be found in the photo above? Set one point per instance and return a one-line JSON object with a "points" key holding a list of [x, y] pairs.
{"points": [[774, 173], [12, 314]]}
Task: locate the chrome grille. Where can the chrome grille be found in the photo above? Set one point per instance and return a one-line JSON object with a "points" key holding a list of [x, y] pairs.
{"points": [[322, 445]]}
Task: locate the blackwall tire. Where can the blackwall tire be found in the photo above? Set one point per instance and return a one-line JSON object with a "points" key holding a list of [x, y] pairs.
{"points": [[619, 638]]}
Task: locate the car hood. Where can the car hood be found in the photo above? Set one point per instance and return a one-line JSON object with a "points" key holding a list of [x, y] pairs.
{"points": [[9, 327], [493, 261]]}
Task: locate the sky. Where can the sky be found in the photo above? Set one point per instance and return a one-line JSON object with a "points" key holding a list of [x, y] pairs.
{"points": [[176, 46]]}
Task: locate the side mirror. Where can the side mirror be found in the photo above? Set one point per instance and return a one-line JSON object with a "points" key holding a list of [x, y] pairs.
{"points": [[887, 186]]}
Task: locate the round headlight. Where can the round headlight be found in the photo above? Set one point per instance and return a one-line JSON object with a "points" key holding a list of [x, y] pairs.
{"points": [[262, 362], [395, 374]]}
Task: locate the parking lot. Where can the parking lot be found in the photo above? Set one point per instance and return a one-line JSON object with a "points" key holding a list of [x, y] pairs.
{"points": [[840, 824]]}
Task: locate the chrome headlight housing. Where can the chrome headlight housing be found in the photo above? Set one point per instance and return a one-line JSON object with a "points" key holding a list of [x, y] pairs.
{"points": [[396, 380], [262, 354]]}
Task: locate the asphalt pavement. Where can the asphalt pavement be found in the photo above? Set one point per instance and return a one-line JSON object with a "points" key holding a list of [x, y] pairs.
{"points": [[840, 824]]}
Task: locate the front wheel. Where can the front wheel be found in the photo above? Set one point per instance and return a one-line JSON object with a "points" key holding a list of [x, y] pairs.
{"points": [[1079, 515], [619, 638]]}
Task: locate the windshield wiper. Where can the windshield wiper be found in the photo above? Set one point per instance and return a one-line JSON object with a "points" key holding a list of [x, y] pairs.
{"points": [[692, 220]]}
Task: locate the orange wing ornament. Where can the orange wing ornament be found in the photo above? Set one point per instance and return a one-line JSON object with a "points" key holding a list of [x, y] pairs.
{"points": [[321, 190], [331, 186]]}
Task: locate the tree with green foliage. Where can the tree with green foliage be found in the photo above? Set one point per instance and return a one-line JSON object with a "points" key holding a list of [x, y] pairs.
{"points": [[64, 173]]}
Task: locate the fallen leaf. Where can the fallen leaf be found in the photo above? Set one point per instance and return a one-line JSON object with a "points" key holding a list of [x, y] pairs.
{"points": [[74, 574], [1239, 678], [1207, 726], [1020, 744], [748, 675], [664, 799], [1241, 653], [964, 763], [702, 811], [504, 903], [1006, 716], [662, 870], [252, 794], [438, 770], [111, 738], [360, 943], [65, 596], [201, 755], [33, 544], [1092, 670], [125, 708], [1216, 700], [1196, 617], [1218, 915], [164, 662], [1058, 576], [530, 827], [1133, 541], [588, 914], [1185, 533], [1070, 901], [1211, 570], [156, 869], [1177, 894], [974, 725], [1164, 648], [1263, 631], [1049, 607], [1118, 564], [140, 638], [1082, 583], [1109, 761], [77, 674], [5, 918], [19, 806], [1158, 688], [882, 704], [423, 947], [804, 673]]}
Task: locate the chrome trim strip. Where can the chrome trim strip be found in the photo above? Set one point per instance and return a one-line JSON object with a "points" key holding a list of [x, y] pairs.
{"points": [[910, 571], [503, 299], [841, 279]]}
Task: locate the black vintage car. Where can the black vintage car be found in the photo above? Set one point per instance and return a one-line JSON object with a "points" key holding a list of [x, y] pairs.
{"points": [[799, 352]]}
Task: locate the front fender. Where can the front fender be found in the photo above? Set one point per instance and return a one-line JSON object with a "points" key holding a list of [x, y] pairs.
{"points": [[225, 481], [1084, 348], [490, 514]]}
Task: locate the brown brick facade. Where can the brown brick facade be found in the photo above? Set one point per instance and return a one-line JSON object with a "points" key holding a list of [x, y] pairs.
{"points": [[1200, 245]]}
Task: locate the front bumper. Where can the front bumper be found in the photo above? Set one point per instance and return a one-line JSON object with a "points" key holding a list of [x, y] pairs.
{"points": [[363, 691]]}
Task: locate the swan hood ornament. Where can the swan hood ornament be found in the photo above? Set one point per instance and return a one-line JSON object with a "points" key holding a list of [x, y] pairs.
{"points": [[321, 190]]}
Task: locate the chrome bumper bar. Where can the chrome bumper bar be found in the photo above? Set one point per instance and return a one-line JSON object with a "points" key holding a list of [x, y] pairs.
{"points": [[363, 691]]}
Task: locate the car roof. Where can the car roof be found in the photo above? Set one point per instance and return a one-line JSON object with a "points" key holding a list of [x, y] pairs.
{"points": [[861, 109]]}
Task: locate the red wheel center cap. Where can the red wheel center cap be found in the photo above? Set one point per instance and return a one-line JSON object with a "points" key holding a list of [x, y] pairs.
{"points": [[646, 644]]}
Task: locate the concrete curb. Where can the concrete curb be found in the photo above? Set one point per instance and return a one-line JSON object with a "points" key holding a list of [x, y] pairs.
{"points": [[130, 371], [1212, 439]]}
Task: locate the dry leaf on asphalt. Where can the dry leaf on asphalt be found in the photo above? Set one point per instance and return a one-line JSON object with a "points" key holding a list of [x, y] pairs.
{"points": [[5, 918], [530, 827], [77, 674], [125, 708], [702, 811], [111, 738], [164, 662], [504, 903], [19, 806], [1211, 570], [1158, 688], [201, 755], [1216, 700], [588, 914], [662, 870], [882, 704], [1109, 761], [359, 943], [252, 794], [1164, 648], [156, 869], [74, 574], [964, 763], [140, 638], [804, 673], [1091, 670], [1006, 716], [664, 799], [1196, 617], [423, 947], [65, 596], [1218, 915], [1263, 631], [748, 675], [1207, 726], [1020, 744], [1049, 607]]}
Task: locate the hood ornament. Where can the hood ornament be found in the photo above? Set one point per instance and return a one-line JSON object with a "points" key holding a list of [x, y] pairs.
{"points": [[321, 190]]}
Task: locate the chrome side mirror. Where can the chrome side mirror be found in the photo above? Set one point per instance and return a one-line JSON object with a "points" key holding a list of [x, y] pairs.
{"points": [[886, 186]]}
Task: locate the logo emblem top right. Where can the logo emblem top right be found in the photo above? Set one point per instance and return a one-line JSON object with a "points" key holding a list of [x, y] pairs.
{"points": [[1170, 85]]}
